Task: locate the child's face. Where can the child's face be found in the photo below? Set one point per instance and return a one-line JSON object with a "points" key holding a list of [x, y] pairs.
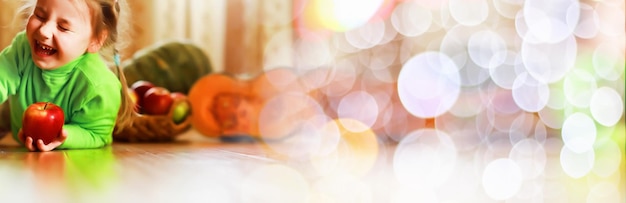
{"points": [[58, 32]]}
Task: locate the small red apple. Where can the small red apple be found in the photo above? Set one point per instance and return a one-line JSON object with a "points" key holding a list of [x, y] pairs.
{"points": [[43, 120], [157, 101], [141, 87]]}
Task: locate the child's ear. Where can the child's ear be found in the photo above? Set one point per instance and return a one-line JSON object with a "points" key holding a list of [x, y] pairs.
{"points": [[97, 42]]}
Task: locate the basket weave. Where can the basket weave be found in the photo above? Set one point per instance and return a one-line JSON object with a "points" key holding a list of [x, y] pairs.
{"points": [[153, 128]]}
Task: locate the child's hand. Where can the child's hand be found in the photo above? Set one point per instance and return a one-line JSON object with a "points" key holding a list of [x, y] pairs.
{"points": [[32, 145]]}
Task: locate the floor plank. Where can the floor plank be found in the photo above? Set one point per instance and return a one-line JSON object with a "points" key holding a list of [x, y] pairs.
{"points": [[196, 169]]}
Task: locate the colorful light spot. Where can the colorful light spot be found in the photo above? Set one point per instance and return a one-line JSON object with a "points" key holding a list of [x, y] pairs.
{"points": [[502, 179], [429, 84]]}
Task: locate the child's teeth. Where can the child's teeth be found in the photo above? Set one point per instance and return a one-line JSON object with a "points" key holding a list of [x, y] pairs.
{"points": [[44, 47]]}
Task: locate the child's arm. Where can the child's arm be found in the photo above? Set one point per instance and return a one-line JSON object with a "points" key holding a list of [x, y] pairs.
{"points": [[92, 125], [9, 61]]}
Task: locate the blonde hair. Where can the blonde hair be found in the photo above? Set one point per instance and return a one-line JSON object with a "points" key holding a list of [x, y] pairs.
{"points": [[110, 16]]}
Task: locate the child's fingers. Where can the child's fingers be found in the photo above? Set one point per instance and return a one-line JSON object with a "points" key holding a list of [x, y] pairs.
{"points": [[20, 135], [49, 147], [43, 147], [28, 142], [52, 145]]}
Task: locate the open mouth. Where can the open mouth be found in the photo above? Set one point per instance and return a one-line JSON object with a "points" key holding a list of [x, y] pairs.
{"points": [[45, 50]]}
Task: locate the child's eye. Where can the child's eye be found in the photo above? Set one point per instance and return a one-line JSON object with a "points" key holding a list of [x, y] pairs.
{"points": [[62, 28], [40, 17]]}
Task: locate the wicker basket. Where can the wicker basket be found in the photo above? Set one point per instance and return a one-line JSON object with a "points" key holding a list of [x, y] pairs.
{"points": [[153, 128]]}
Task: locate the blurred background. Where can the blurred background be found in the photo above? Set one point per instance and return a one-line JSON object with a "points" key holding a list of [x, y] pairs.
{"points": [[527, 91]]}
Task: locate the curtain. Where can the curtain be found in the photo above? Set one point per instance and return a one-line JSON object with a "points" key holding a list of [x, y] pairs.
{"points": [[234, 33]]}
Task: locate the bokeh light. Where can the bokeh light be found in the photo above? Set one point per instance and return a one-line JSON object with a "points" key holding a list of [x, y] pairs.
{"points": [[410, 19], [604, 192], [576, 164], [468, 104], [487, 49], [608, 159], [608, 61], [311, 54], [379, 60], [455, 45], [530, 94], [339, 15], [403, 101], [425, 158], [578, 87], [579, 133], [355, 153], [526, 95], [607, 106], [549, 62], [502, 179], [589, 23], [429, 84], [507, 8], [366, 36], [306, 119], [551, 21], [530, 155], [360, 106], [504, 74], [469, 13], [611, 17]]}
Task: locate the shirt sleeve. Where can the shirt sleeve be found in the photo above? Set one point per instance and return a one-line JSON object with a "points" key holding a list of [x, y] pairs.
{"points": [[9, 66], [92, 125]]}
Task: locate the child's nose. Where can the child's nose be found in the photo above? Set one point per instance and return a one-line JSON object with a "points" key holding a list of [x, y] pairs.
{"points": [[46, 30]]}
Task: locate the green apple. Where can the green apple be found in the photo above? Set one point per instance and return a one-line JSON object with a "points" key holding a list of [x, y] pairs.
{"points": [[181, 109]]}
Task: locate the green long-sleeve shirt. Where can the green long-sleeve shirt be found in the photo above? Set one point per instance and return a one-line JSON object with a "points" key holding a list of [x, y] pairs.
{"points": [[85, 88]]}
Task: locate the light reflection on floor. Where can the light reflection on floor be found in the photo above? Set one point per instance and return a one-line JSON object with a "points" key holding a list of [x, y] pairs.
{"points": [[421, 169]]}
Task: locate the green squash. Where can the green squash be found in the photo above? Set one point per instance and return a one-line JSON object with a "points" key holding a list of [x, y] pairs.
{"points": [[175, 65]]}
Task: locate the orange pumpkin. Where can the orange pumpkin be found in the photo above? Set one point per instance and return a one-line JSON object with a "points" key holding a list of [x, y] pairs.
{"points": [[212, 99], [267, 106]]}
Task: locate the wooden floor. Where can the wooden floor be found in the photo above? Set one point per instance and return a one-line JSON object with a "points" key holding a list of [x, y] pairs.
{"points": [[197, 169]]}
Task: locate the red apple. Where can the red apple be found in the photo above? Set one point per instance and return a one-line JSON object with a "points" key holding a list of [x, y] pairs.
{"points": [[43, 120], [141, 87], [157, 101], [181, 109]]}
